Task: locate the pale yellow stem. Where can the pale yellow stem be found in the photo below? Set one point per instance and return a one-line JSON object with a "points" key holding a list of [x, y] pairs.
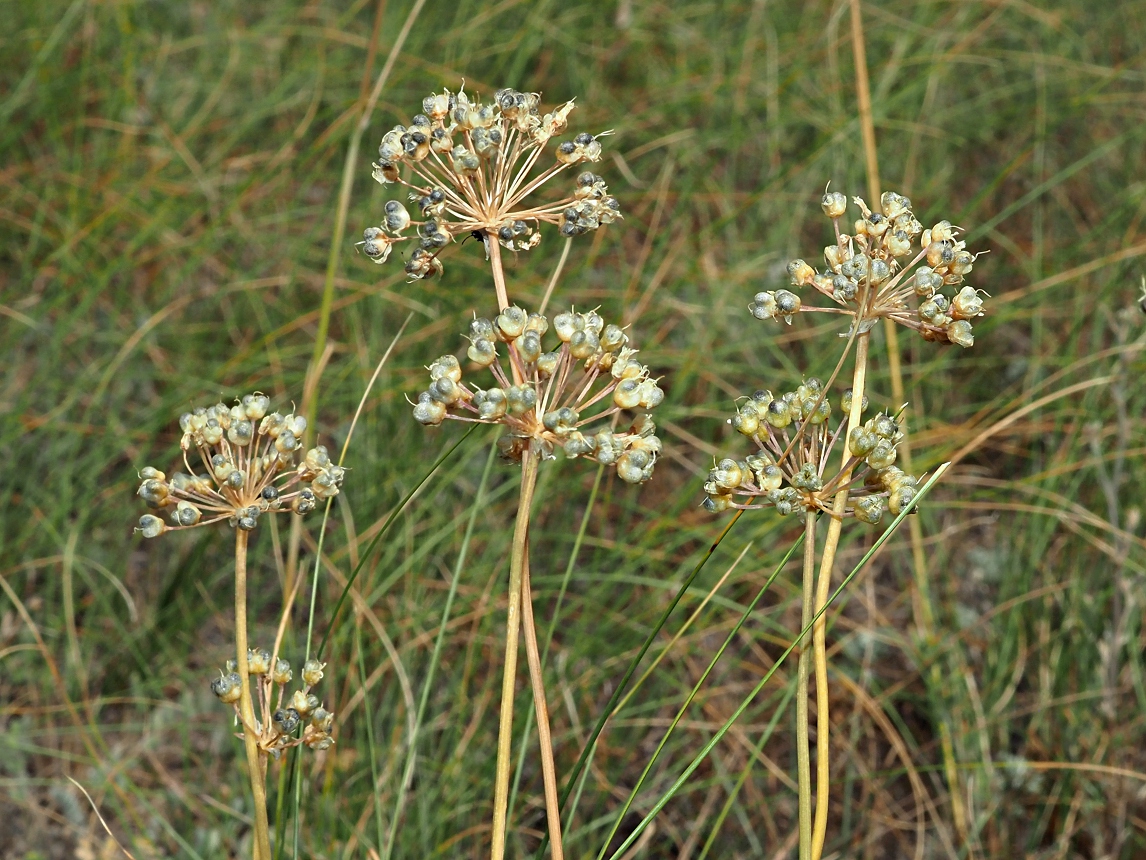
{"points": [[803, 763], [262, 845], [823, 590], [498, 271], [509, 671]]}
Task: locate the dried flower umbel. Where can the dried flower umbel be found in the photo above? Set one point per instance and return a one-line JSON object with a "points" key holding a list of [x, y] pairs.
{"points": [[880, 270], [794, 440], [550, 399], [252, 463], [280, 716], [475, 169]]}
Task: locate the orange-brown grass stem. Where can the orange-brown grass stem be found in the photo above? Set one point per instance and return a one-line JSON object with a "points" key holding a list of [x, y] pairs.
{"points": [[544, 736], [509, 671]]}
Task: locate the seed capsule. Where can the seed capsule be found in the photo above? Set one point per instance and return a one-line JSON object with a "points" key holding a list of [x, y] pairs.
{"points": [[959, 332], [869, 509], [282, 673], [151, 526], [834, 204], [286, 720], [312, 672], [227, 687]]}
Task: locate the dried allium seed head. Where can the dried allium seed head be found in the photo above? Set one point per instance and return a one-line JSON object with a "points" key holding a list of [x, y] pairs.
{"points": [[794, 435], [880, 270], [549, 396], [478, 169], [250, 467]]}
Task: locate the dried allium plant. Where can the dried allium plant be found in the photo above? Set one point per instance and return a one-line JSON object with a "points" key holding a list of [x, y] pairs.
{"points": [[888, 267], [569, 396], [253, 464], [476, 169]]}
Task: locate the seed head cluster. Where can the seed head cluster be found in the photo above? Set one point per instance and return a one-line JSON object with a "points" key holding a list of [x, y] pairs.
{"points": [[794, 438], [275, 730], [252, 464], [549, 398], [473, 169], [867, 277]]}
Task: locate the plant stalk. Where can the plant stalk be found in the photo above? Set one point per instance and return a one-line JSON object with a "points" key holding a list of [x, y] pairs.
{"points": [[544, 737], [262, 847], [494, 250], [823, 590], [803, 765], [512, 630]]}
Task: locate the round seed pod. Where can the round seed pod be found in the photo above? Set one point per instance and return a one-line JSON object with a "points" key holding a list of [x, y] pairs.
{"points": [[312, 672], [282, 673], [286, 720], [834, 204], [151, 526], [428, 411], [869, 509]]}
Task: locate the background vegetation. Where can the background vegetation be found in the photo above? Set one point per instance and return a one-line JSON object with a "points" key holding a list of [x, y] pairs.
{"points": [[167, 202]]}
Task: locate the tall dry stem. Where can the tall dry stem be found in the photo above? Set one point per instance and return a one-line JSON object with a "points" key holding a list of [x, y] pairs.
{"points": [[803, 765], [545, 737], [823, 590]]}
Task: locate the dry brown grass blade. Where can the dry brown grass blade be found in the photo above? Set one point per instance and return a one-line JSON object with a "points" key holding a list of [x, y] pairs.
{"points": [[103, 823], [923, 799], [1004, 423]]}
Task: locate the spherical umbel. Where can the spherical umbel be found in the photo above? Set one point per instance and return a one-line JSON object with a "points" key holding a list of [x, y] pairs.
{"points": [[275, 474], [884, 266], [479, 169], [552, 380]]}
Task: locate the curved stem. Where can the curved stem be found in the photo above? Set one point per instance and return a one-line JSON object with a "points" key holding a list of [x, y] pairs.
{"points": [[262, 847], [823, 590], [544, 736], [803, 767], [509, 671]]}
